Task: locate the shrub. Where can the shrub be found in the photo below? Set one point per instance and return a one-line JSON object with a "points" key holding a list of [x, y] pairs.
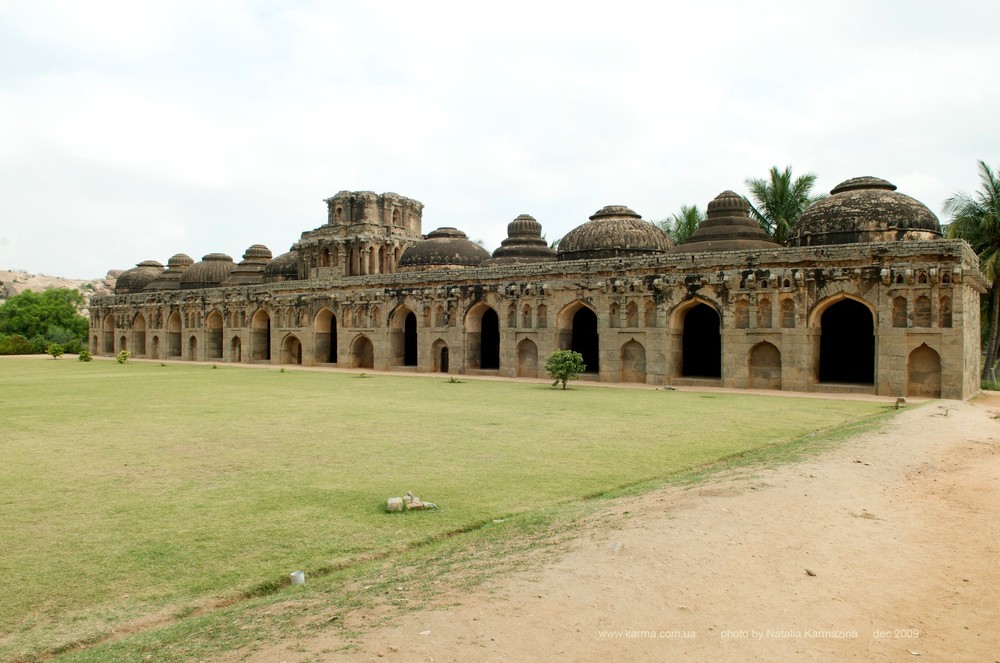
{"points": [[84, 355], [122, 357], [564, 365], [15, 344], [55, 350]]}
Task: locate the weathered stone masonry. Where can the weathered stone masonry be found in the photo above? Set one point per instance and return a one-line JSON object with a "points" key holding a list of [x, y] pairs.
{"points": [[367, 291]]}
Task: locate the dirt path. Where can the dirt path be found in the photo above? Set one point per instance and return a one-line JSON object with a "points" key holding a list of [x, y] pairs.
{"points": [[884, 549]]}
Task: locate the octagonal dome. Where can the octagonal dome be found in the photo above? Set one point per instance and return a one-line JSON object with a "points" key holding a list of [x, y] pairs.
{"points": [[613, 231], [210, 272], [250, 271], [524, 243], [171, 278], [444, 248], [864, 209], [137, 278], [727, 227]]}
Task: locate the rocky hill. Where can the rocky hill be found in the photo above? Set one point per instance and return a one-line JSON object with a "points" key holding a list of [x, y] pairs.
{"points": [[14, 283]]}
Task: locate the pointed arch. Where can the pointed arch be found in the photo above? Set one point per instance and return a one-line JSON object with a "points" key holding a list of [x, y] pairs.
{"points": [[291, 350], [260, 336], [847, 340], [439, 350], [701, 338], [139, 335], [482, 332], [764, 366], [923, 373], [109, 334], [174, 335], [236, 350], [403, 336], [527, 359], [362, 352], [213, 335], [632, 362], [325, 336], [578, 330]]}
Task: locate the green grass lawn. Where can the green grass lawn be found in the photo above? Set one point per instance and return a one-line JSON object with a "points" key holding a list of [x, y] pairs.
{"points": [[138, 494]]}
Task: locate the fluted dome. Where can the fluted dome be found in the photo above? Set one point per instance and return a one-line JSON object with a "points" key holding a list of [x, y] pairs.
{"points": [[444, 248], [210, 272], [614, 231], [864, 209], [137, 278], [283, 268], [250, 271], [524, 243], [171, 278], [727, 227]]}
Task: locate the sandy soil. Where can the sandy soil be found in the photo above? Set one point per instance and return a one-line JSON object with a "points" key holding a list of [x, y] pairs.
{"points": [[886, 548]]}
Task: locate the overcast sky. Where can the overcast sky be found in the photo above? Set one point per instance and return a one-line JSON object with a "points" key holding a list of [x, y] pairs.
{"points": [[136, 130]]}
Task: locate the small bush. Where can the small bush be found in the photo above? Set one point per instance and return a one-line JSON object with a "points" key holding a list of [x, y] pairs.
{"points": [[55, 350], [564, 365], [84, 355], [122, 357]]}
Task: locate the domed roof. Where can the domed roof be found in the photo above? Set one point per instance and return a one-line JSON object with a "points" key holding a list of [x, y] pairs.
{"points": [[251, 269], [864, 209], [210, 272], [613, 231], [171, 278], [524, 243], [283, 268], [137, 278], [727, 227], [444, 248]]}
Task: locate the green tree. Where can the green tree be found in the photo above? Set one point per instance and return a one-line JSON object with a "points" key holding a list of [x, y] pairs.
{"points": [[564, 365], [53, 315], [55, 350], [780, 200], [682, 225], [976, 219]]}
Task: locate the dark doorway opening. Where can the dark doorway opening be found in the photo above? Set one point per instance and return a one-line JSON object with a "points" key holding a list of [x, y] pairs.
{"points": [[847, 344], [702, 354], [410, 340], [444, 360], [490, 341], [585, 339]]}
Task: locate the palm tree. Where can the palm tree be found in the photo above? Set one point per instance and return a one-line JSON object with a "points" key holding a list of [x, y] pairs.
{"points": [[976, 219], [781, 200], [681, 226]]}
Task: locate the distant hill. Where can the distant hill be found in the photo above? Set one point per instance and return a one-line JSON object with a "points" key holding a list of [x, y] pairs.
{"points": [[14, 283]]}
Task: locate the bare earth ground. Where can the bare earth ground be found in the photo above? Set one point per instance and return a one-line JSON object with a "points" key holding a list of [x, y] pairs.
{"points": [[886, 548]]}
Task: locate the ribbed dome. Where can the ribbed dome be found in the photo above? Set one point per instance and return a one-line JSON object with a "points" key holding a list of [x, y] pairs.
{"points": [[727, 227], [210, 272], [283, 268], [524, 243], [171, 278], [864, 209], [444, 248], [614, 231], [137, 278], [250, 271]]}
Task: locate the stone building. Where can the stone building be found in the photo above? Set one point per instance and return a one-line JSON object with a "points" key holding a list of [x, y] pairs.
{"points": [[866, 298]]}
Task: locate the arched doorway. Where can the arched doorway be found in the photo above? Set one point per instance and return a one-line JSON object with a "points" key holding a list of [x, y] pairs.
{"points": [[633, 363], [483, 337], [585, 339], [155, 345], [923, 373], [174, 335], [109, 334], [440, 353], [527, 359], [213, 336], [702, 343], [139, 335], [362, 353], [403, 337], [291, 350], [325, 326], [764, 367], [847, 343], [193, 348], [236, 350], [260, 336]]}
